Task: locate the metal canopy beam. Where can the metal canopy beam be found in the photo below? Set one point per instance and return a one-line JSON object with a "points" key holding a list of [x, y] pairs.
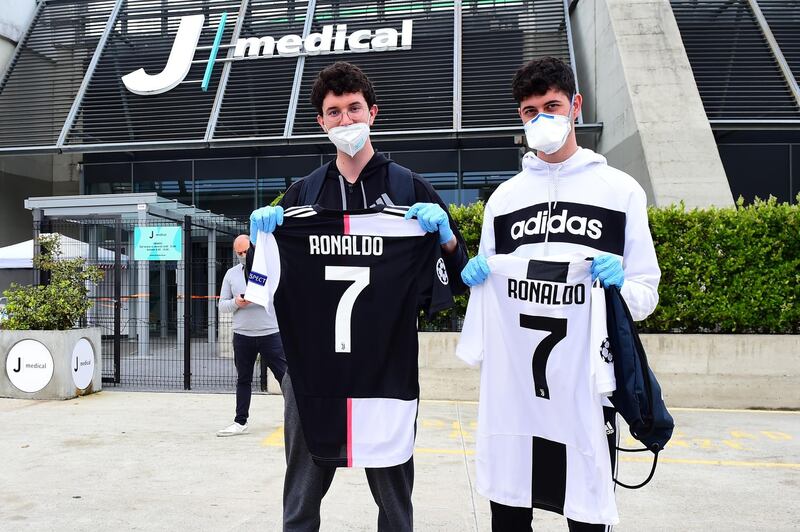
{"points": [[88, 202], [572, 63], [226, 71], [776, 50], [116, 205], [457, 55], [87, 77], [298, 72], [755, 125]]}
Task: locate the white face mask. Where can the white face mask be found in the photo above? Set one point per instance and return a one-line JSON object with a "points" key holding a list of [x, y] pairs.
{"points": [[548, 133], [242, 260], [349, 139]]}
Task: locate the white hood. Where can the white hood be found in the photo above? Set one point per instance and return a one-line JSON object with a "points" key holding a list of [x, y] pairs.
{"points": [[579, 162]]}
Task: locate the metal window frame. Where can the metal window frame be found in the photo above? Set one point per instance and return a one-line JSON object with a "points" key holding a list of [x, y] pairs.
{"points": [[457, 58], [226, 71], [291, 112], [87, 77], [775, 48], [568, 25]]}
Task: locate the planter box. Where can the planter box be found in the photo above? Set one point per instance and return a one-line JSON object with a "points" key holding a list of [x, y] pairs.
{"points": [[50, 364]]}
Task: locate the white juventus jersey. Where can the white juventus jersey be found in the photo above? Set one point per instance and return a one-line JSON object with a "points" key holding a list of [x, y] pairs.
{"points": [[538, 329]]}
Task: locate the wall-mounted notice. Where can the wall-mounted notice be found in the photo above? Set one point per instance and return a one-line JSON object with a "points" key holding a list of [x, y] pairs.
{"points": [[157, 243]]}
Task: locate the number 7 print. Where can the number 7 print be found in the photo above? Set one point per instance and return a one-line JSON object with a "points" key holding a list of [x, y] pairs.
{"points": [[344, 311], [557, 327]]}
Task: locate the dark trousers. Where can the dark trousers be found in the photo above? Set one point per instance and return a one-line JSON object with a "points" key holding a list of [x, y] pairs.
{"points": [[514, 519], [245, 351], [306, 483]]}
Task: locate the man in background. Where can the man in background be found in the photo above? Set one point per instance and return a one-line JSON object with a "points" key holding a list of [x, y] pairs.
{"points": [[254, 331]]}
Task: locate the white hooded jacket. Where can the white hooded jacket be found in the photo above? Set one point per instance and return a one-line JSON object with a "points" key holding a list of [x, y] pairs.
{"points": [[579, 205]]}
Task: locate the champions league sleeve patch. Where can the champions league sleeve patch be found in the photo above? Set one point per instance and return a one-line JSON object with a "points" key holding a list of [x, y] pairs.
{"points": [[257, 278], [441, 271], [605, 352]]}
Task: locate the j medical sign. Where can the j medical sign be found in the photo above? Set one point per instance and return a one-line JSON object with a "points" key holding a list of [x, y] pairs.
{"points": [[332, 39]]}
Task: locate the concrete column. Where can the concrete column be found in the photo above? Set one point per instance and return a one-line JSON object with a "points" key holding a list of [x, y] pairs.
{"points": [[636, 79]]}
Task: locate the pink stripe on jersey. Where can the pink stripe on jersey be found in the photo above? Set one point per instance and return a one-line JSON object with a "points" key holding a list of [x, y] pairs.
{"points": [[349, 428], [347, 225]]}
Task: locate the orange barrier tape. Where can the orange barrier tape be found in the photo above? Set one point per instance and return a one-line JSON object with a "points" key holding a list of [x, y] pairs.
{"points": [[144, 296]]}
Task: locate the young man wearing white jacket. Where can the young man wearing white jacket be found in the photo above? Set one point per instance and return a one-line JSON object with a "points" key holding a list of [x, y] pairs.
{"points": [[565, 200]]}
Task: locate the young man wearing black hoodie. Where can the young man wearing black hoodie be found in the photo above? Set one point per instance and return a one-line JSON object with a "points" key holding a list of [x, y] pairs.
{"points": [[358, 178]]}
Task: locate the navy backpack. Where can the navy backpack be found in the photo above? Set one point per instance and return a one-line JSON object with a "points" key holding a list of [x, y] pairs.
{"points": [[638, 395]]}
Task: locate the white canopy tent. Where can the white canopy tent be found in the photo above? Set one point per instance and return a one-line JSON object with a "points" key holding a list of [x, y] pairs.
{"points": [[20, 255]]}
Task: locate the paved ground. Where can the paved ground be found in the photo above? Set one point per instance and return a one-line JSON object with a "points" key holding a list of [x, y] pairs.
{"points": [[150, 461]]}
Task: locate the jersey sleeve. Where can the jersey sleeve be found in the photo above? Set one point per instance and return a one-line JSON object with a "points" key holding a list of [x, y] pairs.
{"points": [[487, 244], [434, 280], [642, 274], [470, 342], [601, 357], [455, 261], [291, 198], [265, 272]]}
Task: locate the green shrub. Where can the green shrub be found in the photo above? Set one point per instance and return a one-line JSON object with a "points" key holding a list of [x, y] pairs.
{"points": [[723, 270], [727, 270], [58, 305]]}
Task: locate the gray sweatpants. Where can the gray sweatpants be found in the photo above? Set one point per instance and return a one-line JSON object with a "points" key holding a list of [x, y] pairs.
{"points": [[306, 483]]}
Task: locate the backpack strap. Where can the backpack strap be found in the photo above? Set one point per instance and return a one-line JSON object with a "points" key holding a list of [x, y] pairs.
{"points": [[401, 185], [312, 185]]}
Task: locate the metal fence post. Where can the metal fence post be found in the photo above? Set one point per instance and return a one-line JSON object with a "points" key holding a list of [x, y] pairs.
{"points": [[37, 247], [117, 298], [187, 303]]}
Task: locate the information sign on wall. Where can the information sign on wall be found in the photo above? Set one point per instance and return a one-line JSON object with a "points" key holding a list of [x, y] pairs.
{"points": [[157, 243]]}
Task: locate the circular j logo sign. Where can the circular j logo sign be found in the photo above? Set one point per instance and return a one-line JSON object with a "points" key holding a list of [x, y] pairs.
{"points": [[82, 364], [29, 366]]}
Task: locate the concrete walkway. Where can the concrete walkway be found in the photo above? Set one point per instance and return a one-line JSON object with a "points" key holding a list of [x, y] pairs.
{"points": [[150, 461]]}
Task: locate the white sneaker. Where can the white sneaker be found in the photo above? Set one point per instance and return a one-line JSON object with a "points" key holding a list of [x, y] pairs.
{"points": [[233, 429]]}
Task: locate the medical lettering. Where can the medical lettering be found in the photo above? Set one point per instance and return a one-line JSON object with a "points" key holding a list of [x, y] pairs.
{"points": [[331, 40]]}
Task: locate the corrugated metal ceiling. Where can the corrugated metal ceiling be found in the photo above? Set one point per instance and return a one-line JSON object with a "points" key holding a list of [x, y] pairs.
{"points": [[455, 78]]}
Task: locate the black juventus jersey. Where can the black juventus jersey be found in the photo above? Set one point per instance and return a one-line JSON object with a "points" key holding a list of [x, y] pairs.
{"points": [[347, 288]]}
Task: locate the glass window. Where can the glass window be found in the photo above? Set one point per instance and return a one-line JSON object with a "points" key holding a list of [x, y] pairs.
{"points": [[226, 186], [276, 174], [484, 169], [744, 165], [107, 178], [168, 179]]}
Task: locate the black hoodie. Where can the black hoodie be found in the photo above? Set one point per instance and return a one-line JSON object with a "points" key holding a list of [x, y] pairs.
{"points": [[371, 188]]}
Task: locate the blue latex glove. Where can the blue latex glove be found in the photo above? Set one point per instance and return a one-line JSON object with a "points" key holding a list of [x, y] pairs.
{"points": [[476, 271], [432, 218], [608, 269], [265, 219]]}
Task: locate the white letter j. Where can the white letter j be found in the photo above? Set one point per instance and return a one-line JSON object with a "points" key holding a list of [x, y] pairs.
{"points": [[178, 64]]}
